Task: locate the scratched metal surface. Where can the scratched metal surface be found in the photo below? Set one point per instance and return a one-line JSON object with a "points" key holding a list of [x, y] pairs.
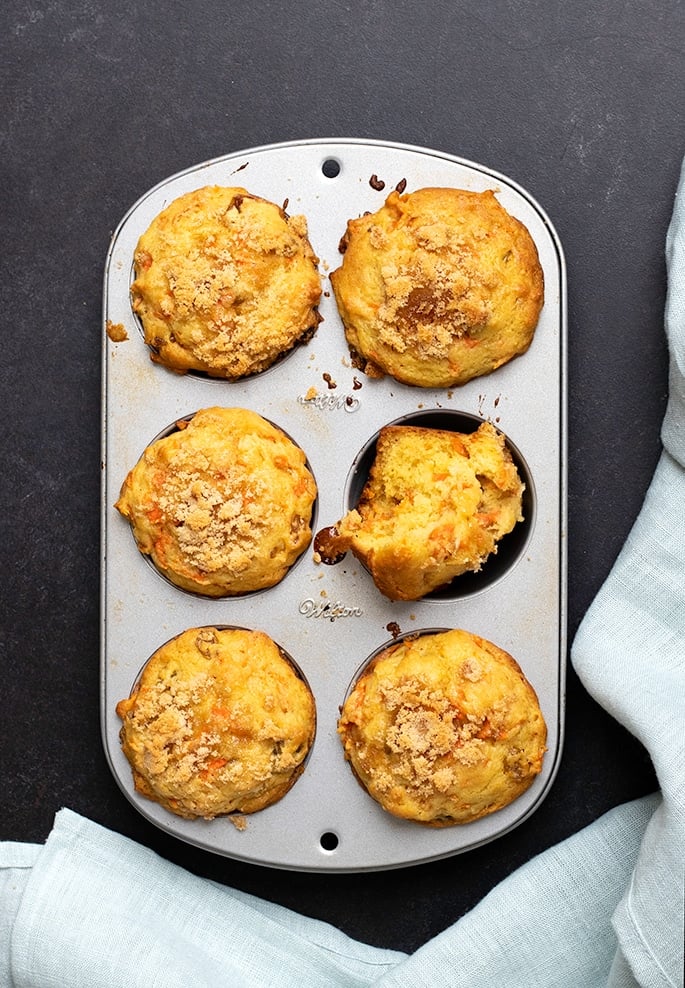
{"points": [[330, 619]]}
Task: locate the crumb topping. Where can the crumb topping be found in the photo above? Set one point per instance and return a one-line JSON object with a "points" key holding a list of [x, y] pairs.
{"points": [[443, 729], [223, 505], [425, 727], [432, 299], [437, 287], [472, 670], [228, 279], [219, 722], [218, 519]]}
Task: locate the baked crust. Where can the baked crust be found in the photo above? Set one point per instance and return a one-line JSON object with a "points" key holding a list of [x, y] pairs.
{"points": [[226, 283], [435, 505], [218, 723], [443, 729], [223, 505], [437, 287]]}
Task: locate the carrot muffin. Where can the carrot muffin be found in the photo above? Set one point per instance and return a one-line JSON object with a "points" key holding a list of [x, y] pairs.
{"points": [[225, 283], [223, 505], [218, 723], [435, 505], [443, 729], [437, 287]]}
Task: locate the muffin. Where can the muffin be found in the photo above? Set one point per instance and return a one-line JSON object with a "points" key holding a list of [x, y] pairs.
{"points": [[435, 506], [443, 729], [219, 722], [437, 287], [225, 283], [223, 505]]}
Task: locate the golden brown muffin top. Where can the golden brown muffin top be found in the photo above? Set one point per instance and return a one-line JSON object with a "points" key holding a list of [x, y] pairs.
{"points": [[226, 283], [223, 505], [443, 729], [438, 286], [219, 722]]}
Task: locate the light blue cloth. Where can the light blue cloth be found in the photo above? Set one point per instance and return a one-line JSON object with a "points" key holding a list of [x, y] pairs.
{"points": [[603, 909]]}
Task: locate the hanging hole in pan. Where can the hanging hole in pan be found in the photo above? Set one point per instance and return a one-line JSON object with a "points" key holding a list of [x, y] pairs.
{"points": [[329, 841], [331, 167]]}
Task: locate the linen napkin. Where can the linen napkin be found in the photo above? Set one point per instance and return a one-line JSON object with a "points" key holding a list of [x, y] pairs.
{"points": [[603, 909]]}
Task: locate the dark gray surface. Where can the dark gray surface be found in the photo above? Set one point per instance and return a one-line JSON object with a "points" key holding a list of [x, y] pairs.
{"points": [[581, 104]]}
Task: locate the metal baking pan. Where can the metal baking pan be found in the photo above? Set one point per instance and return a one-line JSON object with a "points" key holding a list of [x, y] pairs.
{"points": [[330, 619]]}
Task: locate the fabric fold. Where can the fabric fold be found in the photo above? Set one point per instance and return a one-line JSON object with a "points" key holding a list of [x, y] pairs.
{"points": [[548, 925], [629, 653], [102, 911], [99, 910]]}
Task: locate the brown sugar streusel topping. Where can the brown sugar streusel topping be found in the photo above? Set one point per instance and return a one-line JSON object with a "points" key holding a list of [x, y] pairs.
{"points": [[217, 521], [426, 727], [430, 300]]}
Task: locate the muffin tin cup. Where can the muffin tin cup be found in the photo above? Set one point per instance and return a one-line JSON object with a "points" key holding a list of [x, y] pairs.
{"points": [[331, 619], [509, 548], [169, 430]]}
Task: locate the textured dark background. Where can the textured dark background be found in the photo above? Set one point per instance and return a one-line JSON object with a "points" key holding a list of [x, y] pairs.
{"points": [[581, 103]]}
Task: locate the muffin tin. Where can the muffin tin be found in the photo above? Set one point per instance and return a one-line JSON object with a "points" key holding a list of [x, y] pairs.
{"points": [[330, 618]]}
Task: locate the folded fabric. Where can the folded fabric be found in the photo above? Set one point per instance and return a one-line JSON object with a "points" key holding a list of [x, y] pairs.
{"points": [[603, 909], [630, 654], [92, 908], [634, 635]]}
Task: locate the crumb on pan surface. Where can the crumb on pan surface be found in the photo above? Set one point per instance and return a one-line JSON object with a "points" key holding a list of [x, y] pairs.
{"points": [[438, 286], [218, 723], [223, 505], [435, 505], [443, 729], [225, 283]]}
